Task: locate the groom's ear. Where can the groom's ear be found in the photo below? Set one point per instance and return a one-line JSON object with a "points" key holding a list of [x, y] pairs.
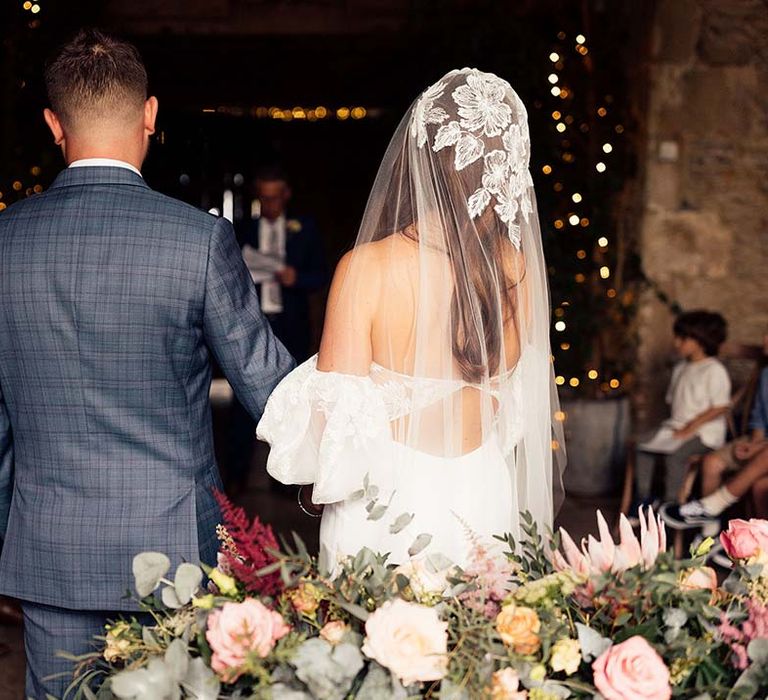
{"points": [[150, 115], [54, 125]]}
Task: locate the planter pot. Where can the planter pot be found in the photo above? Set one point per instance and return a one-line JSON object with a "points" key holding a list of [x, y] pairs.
{"points": [[596, 432]]}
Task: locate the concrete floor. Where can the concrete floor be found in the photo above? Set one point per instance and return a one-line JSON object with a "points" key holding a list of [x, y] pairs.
{"points": [[278, 507]]}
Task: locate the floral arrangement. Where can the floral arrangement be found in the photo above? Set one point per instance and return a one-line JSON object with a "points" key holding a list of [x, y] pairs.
{"points": [[548, 620]]}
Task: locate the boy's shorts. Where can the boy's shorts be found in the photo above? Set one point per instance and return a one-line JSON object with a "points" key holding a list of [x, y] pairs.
{"points": [[728, 453]]}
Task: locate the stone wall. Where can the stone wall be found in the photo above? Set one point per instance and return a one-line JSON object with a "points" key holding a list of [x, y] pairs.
{"points": [[704, 228]]}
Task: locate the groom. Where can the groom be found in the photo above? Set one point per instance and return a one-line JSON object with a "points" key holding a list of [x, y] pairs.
{"points": [[112, 300]]}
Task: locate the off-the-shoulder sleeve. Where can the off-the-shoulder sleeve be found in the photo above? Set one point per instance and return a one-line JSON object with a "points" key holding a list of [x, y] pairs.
{"points": [[325, 428]]}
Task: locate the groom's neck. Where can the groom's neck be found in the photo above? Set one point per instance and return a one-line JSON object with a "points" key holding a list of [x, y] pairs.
{"points": [[118, 148]]}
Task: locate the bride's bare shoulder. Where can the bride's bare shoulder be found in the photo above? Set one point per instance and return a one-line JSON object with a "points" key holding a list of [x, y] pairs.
{"points": [[369, 258]]}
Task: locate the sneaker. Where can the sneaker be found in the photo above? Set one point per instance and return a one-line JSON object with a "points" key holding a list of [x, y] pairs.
{"points": [[686, 516]]}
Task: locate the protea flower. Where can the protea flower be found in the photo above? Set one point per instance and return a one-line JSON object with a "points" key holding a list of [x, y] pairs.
{"points": [[599, 556]]}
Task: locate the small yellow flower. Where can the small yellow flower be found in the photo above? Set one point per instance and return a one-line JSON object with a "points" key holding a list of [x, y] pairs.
{"points": [[566, 656], [119, 642], [293, 225], [518, 627], [538, 673], [204, 602], [226, 584]]}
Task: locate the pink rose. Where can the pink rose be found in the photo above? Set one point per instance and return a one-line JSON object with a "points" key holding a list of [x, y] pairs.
{"points": [[505, 686], [409, 639], [632, 670], [238, 629], [744, 539]]}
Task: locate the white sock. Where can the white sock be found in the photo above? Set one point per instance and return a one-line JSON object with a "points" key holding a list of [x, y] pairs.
{"points": [[718, 501]]}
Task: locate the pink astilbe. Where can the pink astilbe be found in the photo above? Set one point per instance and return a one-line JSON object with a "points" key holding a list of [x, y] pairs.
{"points": [[598, 556], [492, 574], [754, 627], [248, 550]]}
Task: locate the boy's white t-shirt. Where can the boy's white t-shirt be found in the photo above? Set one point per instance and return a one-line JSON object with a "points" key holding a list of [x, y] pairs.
{"points": [[694, 388]]}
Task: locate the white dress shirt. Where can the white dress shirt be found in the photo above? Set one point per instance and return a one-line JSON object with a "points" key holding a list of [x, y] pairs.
{"points": [[108, 162], [272, 244]]}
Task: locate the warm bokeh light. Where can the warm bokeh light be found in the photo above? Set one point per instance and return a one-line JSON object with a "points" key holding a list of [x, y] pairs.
{"points": [[576, 197], [581, 254], [573, 220], [615, 383], [607, 148], [605, 273], [547, 169], [560, 127], [560, 326], [600, 167], [559, 380], [602, 242], [592, 374], [574, 382], [556, 91], [342, 113], [554, 57]]}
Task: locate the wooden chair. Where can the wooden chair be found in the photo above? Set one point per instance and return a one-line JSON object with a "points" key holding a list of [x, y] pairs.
{"points": [[737, 417]]}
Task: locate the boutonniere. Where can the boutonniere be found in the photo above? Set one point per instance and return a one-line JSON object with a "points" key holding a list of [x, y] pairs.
{"points": [[293, 225]]}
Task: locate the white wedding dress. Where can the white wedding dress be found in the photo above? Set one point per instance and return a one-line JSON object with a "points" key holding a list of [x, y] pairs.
{"points": [[430, 407], [334, 430]]}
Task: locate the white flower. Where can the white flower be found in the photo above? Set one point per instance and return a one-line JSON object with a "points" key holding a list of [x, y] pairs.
{"points": [[496, 171], [408, 639], [468, 149], [478, 202], [447, 135], [481, 104], [424, 582], [565, 656], [425, 113], [517, 146]]}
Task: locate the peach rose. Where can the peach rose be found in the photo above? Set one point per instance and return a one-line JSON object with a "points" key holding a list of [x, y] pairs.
{"points": [[699, 578], [632, 670], [744, 539], [238, 629], [518, 627], [408, 639], [334, 631], [505, 684]]}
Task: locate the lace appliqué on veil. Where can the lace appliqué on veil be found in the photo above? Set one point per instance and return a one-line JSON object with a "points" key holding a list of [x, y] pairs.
{"points": [[482, 116]]}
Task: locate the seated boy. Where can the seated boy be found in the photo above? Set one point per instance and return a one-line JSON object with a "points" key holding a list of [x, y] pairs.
{"points": [[699, 395], [747, 455]]}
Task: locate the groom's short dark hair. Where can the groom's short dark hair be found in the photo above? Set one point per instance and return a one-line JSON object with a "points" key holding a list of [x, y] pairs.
{"points": [[95, 73]]}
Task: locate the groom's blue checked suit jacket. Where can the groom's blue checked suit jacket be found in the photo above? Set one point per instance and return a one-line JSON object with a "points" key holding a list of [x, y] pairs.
{"points": [[112, 299]]}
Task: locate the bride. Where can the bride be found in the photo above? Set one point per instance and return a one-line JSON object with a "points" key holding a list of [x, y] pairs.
{"points": [[429, 408]]}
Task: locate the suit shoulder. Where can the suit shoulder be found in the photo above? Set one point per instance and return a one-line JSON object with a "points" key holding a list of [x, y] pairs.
{"points": [[171, 207]]}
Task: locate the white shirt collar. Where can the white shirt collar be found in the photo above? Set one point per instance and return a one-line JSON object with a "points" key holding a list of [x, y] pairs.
{"points": [[103, 162]]}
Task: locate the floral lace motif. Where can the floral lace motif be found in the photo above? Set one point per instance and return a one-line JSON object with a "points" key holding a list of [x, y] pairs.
{"points": [[487, 121]]}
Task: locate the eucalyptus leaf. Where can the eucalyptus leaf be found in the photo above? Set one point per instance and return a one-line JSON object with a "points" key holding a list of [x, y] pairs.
{"points": [[148, 637], [592, 643], [437, 563], [402, 521], [177, 659], [377, 513], [186, 582], [357, 495], [201, 682], [419, 544], [757, 650], [170, 599], [148, 569]]}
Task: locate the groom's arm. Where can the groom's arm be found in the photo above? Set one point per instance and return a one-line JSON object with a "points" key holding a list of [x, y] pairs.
{"points": [[6, 465], [236, 331]]}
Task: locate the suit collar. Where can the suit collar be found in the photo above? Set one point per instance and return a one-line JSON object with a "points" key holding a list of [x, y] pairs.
{"points": [[98, 175]]}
